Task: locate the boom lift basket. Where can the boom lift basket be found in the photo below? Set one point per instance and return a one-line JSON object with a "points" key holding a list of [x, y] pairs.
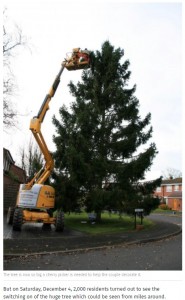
{"points": [[77, 60]]}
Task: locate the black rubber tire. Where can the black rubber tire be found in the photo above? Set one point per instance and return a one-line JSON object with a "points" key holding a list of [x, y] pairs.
{"points": [[9, 217], [17, 219], [59, 224]]}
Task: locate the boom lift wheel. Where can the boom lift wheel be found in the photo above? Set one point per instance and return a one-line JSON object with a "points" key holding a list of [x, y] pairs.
{"points": [[17, 219], [10, 213], [59, 223]]}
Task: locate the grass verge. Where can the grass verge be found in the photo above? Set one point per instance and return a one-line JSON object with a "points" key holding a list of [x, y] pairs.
{"points": [[109, 224]]}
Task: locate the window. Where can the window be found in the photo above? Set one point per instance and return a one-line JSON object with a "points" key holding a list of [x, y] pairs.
{"points": [[158, 190], [176, 187], [169, 188]]}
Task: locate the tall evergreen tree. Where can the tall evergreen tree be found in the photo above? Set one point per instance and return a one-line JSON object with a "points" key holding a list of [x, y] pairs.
{"points": [[98, 141]]}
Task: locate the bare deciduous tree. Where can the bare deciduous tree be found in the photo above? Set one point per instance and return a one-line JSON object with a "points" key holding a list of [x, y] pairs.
{"points": [[31, 159], [171, 173], [13, 40]]}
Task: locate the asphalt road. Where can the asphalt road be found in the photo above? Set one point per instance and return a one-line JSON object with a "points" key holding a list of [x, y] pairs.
{"points": [[167, 217], [162, 255]]}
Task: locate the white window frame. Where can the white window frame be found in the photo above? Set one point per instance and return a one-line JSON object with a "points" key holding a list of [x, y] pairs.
{"points": [[176, 187], [169, 188]]}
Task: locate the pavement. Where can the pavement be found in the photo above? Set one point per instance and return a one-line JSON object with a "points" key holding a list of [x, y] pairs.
{"points": [[38, 241]]}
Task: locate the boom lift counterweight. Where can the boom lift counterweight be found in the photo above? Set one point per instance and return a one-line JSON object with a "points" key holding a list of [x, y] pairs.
{"points": [[35, 200]]}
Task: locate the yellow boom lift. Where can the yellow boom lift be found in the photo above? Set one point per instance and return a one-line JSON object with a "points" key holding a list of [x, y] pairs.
{"points": [[35, 200]]}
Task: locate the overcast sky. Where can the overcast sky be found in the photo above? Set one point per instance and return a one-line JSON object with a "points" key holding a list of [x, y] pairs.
{"points": [[149, 33]]}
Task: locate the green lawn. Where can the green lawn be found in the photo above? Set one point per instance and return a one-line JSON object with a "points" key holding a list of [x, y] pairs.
{"points": [[166, 211], [109, 224], [159, 210]]}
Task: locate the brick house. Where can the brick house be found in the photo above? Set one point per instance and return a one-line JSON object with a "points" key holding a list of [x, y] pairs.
{"points": [[170, 193], [12, 177]]}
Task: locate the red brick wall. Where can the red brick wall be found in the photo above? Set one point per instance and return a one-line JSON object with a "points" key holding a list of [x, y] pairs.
{"points": [[164, 192], [10, 190], [19, 173], [173, 197]]}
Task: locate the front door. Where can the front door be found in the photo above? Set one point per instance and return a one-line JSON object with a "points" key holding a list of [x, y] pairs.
{"points": [[175, 204]]}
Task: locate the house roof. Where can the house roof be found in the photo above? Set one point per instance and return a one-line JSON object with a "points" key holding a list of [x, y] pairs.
{"points": [[7, 155], [172, 181]]}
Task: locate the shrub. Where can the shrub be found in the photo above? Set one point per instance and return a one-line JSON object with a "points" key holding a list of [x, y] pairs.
{"points": [[164, 206]]}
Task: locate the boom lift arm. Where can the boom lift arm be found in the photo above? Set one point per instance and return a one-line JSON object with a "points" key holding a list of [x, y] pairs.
{"points": [[35, 127], [78, 60]]}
